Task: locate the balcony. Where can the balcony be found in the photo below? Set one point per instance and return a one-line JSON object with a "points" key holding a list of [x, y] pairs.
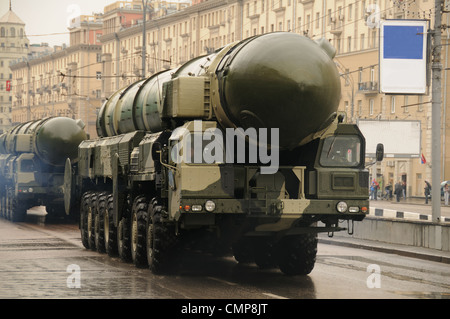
{"points": [[370, 87]]}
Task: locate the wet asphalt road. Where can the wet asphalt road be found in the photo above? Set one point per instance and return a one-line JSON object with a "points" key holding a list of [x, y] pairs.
{"points": [[44, 261]]}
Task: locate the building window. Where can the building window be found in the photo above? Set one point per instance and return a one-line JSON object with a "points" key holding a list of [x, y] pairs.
{"points": [[420, 104], [371, 103], [392, 104]]}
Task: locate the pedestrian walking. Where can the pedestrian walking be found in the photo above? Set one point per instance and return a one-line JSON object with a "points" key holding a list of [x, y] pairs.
{"points": [[388, 192], [374, 190], [427, 191], [446, 194], [404, 190], [398, 191]]}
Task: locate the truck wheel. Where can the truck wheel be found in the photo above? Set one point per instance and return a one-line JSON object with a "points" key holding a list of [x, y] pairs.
{"points": [[18, 210], [297, 254], [138, 231], [84, 208], [92, 212], [99, 224], [2, 204], [264, 254], [55, 212], [110, 229], [8, 206], [123, 239], [243, 251], [161, 240]]}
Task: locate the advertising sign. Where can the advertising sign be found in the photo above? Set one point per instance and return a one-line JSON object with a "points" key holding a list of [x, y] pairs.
{"points": [[403, 56]]}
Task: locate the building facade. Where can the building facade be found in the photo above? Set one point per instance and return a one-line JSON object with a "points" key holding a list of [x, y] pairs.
{"points": [[66, 82], [75, 80], [14, 46], [352, 27]]}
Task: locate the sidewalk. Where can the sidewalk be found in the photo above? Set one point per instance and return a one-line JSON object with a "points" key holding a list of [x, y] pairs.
{"points": [[401, 250], [411, 208]]}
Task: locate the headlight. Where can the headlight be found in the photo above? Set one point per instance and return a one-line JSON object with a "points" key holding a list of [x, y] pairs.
{"points": [[353, 209], [196, 208], [341, 207], [210, 205]]}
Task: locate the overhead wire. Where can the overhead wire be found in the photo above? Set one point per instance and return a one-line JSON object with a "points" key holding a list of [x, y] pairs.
{"points": [[217, 17]]}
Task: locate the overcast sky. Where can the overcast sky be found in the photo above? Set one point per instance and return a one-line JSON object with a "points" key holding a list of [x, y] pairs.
{"points": [[46, 20]]}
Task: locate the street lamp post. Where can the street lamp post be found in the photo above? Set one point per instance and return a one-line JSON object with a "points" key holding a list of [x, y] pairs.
{"points": [[436, 68], [144, 4]]}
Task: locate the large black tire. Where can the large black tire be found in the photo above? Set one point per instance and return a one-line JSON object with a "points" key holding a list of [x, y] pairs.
{"points": [[9, 203], [55, 211], [110, 229], [91, 216], [3, 202], [243, 251], [264, 251], [123, 239], [124, 233], [161, 240], [84, 209], [18, 210], [139, 231], [297, 254], [99, 224]]}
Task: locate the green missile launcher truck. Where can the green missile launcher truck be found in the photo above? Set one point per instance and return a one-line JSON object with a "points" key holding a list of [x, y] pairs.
{"points": [[32, 159], [241, 151]]}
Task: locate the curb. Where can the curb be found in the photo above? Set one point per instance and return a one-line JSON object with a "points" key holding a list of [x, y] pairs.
{"points": [[390, 250], [392, 213]]}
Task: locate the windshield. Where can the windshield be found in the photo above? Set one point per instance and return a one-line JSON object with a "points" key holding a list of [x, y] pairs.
{"points": [[341, 151]]}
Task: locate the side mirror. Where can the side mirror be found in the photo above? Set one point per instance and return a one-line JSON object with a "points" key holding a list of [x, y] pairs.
{"points": [[380, 152]]}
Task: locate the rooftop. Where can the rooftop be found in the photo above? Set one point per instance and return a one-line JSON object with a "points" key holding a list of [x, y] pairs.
{"points": [[11, 17]]}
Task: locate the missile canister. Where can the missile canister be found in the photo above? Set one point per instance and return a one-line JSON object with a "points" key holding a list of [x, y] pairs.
{"points": [[276, 80], [291, 84], [162, 166], [52, 139]]}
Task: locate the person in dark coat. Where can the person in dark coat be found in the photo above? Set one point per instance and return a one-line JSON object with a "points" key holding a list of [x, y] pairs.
{"points": [[427, 191], [398, 191]]}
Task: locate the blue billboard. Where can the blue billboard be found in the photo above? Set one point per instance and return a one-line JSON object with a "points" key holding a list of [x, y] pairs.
{"points": [[403, 51]]}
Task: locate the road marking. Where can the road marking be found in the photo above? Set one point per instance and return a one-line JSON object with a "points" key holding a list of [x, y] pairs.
{"points": [[274, 296], [223, 281]]}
